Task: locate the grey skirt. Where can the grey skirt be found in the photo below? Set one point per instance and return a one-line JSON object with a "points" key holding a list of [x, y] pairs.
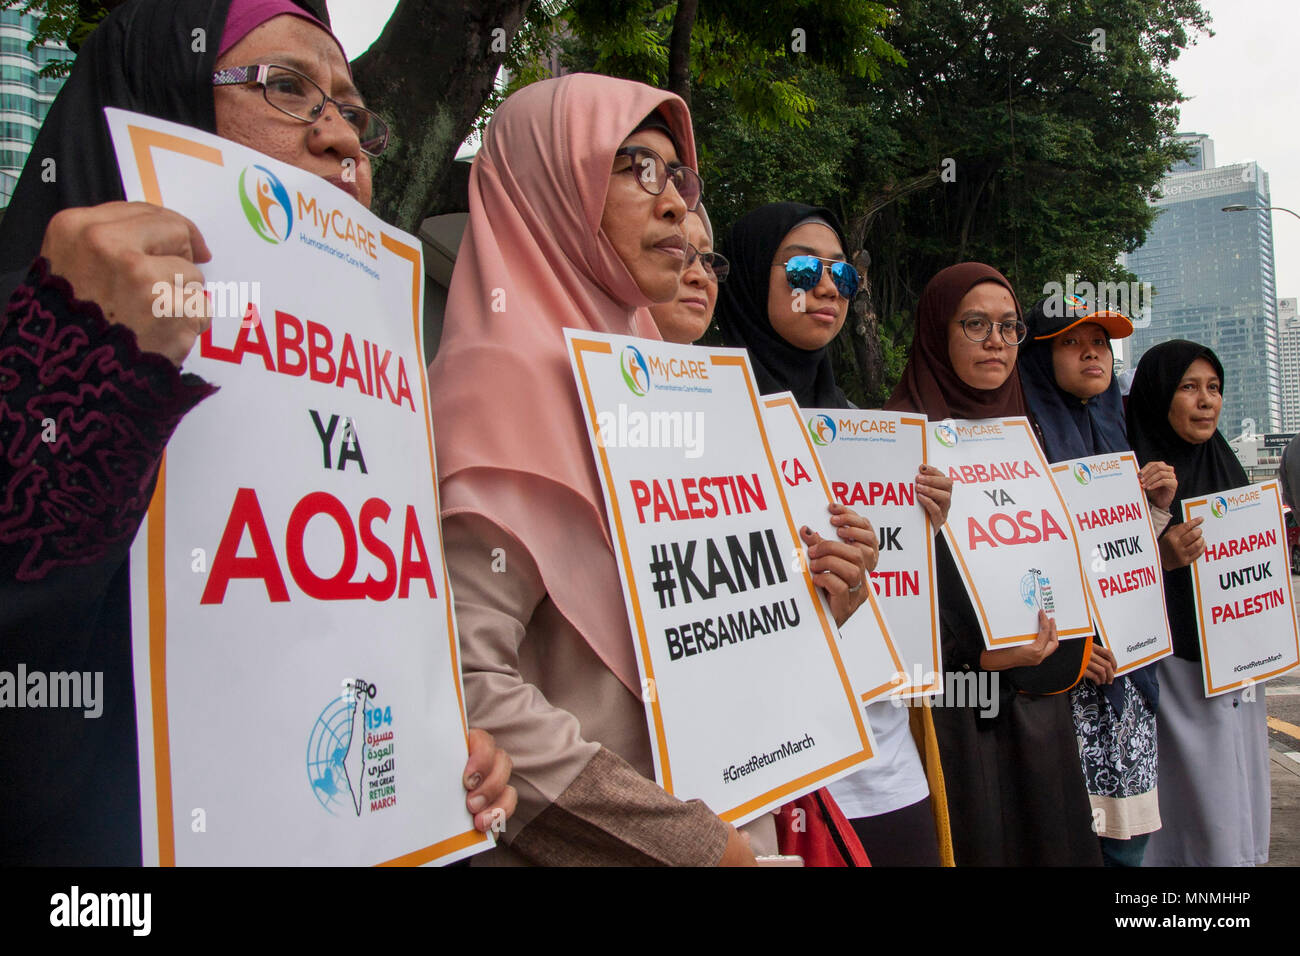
{"points": [[1213, 777]]}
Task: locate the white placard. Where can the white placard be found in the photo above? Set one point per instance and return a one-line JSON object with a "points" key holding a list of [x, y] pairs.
{"points": [[1244, 606], [747, 698], [866, 641], [297, 680], [1009, 530], [871, 457], [1121, 562]]}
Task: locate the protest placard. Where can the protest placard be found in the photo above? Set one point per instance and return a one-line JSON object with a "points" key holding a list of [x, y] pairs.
{"points": [[1244, 606], [747, 697], [871, 458], [1126, 587], [297, 678], [866, 640], [1009, 531]]}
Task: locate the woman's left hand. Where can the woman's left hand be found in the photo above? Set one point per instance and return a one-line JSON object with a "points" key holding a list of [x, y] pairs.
{"points": [[1101, 666], [934, 488], [839, 567], [487, 778], [855, 529], [1160, 483]]}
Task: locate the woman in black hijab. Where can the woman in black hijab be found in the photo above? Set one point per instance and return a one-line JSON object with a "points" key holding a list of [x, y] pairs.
{"points": [[1214, 776], [1067, 375], [90, 392], [803, 368], [786, 297]]}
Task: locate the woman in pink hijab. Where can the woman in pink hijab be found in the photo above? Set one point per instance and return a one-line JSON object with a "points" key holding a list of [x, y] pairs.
{"points": [[564, 231]]}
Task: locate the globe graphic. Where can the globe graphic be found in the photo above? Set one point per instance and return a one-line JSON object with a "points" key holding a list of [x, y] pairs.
{"points": [[330, 738], [1029, 589]]}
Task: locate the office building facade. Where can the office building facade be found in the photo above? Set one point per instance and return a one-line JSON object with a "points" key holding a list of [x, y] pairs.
{"points": [[1288, 327], [25, 97], [1213, 283]]}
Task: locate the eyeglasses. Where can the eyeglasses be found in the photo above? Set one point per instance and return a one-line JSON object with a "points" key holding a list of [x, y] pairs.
{"points": [[653, 173], [805, 271], [977, 330], [715, 265], [298, 96]]}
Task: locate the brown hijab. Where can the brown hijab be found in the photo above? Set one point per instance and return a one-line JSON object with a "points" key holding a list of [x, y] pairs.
{"points": [[929, 383]]}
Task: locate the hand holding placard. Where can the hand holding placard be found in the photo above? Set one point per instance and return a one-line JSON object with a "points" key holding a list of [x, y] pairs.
{"points": [[1044, 646], [116, 253], [1182, 544]]}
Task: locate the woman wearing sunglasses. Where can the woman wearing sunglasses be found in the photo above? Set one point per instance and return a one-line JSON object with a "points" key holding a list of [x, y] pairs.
{"points": [[1016, 795], [787, 297], [81, 344]]}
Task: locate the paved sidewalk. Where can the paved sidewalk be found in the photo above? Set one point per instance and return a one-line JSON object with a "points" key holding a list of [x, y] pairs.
{"points": [[1283, 696]]}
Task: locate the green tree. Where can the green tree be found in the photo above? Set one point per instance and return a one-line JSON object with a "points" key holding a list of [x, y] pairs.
{"points": [[1013, 134], [736, 45], [65, 21], [1030, 136]]}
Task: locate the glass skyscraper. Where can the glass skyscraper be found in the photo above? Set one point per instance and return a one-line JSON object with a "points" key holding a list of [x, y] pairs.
{"points": [[1212, 278], [1288, 327], [25, 97]]}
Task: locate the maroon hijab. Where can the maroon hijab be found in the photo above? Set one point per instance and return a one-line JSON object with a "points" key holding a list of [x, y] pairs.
{"points": [[929, 383]]}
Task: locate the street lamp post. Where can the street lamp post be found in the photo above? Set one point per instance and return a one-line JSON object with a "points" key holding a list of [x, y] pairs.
{"points": [[1241, 207]]}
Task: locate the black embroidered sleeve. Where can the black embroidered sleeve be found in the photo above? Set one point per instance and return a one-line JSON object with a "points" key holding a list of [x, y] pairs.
{"points": [[84, 418]]}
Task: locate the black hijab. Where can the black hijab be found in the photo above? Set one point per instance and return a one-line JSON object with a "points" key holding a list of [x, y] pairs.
{"points": [[1202, 469], [751, 246], [1071, 427], [146, 56], [78, 801]]}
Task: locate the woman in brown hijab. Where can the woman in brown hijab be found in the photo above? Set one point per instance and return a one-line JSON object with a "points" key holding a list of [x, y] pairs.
{"points": [[1016, 795]]}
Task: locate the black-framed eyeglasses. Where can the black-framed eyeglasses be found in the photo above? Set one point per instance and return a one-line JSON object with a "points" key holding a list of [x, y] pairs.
{"points": [[715, 264], [977, 330], [299, 96], [653, 173], [805, 271]]}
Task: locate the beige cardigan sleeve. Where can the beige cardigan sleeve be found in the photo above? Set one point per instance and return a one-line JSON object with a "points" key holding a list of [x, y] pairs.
{"points": [[1160, 519], [579, 802]]}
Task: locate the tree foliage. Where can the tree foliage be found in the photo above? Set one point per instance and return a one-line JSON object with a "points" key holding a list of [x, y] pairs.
{"points": [[736, 45], [1009, 133], [1027, 135], [64, 21]]}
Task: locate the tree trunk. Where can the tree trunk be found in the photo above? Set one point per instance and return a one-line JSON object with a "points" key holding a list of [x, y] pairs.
{"points": [[679, 49], [865, 333], [429, 74], [864, 315]]}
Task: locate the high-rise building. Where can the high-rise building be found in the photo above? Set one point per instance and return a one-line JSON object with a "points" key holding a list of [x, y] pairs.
{"points": [[1200, 156], [1212, 278], [1288, 326], [25, 97]]}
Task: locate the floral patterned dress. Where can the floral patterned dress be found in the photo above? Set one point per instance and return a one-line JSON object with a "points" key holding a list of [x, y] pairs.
{"points": [[1118, 752]]}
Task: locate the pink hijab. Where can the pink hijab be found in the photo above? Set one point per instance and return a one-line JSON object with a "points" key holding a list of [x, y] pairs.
{"points": [[512, 445], [244, 16]]}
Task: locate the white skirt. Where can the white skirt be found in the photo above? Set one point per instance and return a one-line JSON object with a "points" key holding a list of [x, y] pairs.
{"points": [[1213, 777]]}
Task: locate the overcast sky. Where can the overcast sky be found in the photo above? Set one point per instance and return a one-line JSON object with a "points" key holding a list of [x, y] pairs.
{"points": [[1240, 84]]}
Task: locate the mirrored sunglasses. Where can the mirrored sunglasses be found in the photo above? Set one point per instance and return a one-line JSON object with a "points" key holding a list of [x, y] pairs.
{"points": [[805, 271]]}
